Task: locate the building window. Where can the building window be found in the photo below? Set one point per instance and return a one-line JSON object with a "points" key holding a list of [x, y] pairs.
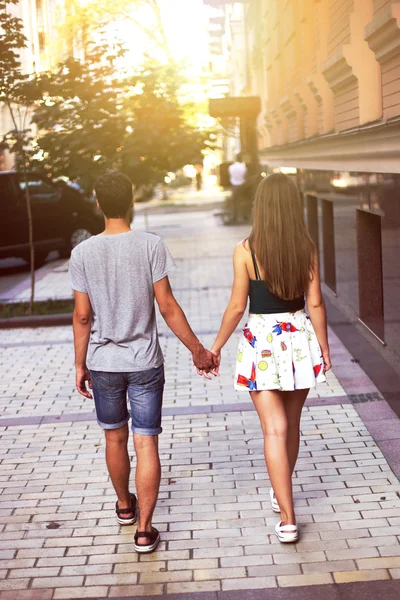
{"points": [[42, 41]]}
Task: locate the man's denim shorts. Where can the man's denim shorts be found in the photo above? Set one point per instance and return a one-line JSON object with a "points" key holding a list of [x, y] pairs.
{"points": [[145, 394]]}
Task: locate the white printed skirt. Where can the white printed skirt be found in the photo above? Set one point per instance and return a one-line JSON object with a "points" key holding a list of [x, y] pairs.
{"points": [[278, 352]]}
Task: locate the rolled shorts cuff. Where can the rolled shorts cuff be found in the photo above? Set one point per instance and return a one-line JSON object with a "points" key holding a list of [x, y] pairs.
{"points": [[143, 431], [113, 425]]}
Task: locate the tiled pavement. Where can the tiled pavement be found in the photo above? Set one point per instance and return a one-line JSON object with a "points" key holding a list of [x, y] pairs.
{"points": [[58, 534]]}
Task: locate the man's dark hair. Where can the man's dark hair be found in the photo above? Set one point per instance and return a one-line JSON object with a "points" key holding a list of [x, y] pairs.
{"points": [[114, 194], [239, 157]]}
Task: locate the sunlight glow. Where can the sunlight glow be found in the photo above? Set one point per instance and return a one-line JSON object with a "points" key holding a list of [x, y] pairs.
{"points": [[186, 31]]}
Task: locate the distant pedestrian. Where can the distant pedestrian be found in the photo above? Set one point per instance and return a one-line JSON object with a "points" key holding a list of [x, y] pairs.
{"points": [[282, 353], [116, 276], [237, 178], [199, 177]]}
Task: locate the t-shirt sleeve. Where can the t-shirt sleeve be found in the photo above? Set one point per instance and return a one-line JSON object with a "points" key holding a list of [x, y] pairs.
{"points": [[162, 263], [77, 273]]}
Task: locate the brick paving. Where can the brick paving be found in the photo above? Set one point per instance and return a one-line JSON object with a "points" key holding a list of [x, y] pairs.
{"points": [[59, 538]]}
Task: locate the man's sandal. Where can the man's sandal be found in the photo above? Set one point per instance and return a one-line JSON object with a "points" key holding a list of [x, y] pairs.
{"points": [[126, 511], [274, 501], [287, 534], [153, 537]]}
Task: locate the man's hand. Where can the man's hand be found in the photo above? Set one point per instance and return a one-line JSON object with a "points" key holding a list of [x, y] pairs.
{"points": [[204, 361], [83, 376]]}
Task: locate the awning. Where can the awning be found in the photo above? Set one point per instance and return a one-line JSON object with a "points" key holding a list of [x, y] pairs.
{"points": [[371, 148]]}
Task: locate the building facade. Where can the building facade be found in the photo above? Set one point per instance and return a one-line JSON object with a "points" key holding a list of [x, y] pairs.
{"points": [[324, 67], [328, 75], [41, 19]]}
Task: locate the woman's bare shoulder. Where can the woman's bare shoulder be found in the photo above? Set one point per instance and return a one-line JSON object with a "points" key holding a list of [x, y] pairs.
{"points": [[241, 253], [244, 246]]}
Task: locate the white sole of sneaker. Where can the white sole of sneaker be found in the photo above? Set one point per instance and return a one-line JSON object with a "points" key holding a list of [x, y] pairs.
{"points": [[147, 549], [287, 538], [124, 522]]}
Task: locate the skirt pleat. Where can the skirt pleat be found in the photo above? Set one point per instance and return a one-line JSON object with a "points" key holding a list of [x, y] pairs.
{"points": [[278, 352]]}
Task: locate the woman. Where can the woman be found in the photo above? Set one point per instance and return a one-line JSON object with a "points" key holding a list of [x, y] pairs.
{"points": [[282, 353]]}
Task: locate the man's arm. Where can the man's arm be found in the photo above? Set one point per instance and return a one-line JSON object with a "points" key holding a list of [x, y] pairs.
{"points": [[81, 322], [176, 320]]}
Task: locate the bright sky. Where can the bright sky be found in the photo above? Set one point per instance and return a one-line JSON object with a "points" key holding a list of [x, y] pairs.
{"points": [[185, 25]]}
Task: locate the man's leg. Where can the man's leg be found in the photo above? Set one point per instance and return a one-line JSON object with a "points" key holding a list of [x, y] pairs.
{"points": [[235, 203], [244, 211], [148, 477], [118, 464], [109, 391], [145, 392]]}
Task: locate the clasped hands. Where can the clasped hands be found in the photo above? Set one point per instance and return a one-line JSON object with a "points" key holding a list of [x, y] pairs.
{"points": [[207, 362]]}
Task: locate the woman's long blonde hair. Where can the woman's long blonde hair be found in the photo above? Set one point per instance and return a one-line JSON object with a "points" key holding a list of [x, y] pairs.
{"points": [[279, 237]]}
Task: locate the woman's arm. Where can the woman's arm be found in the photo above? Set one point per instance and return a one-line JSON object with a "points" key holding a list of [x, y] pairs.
{"points": [[238, 302], [317, 311], [176, 320]]}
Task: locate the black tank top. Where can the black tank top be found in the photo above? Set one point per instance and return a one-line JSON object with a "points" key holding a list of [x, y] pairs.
{"points": [[264, 302]]}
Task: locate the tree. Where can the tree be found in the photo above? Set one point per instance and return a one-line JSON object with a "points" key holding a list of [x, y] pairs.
{"points": [[80, 119], [163, 139], [159, 135], [18, 93], [93, 117]]}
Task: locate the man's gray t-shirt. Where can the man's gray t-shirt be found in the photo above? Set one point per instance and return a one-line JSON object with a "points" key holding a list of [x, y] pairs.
{"points": [[118, 272]]}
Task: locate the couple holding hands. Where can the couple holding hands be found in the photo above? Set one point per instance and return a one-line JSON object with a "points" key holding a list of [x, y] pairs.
{"points": [[283, 351]]}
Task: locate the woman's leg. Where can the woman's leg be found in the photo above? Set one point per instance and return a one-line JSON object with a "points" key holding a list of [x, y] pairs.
{"points": [[293, 403], [271, 411]]}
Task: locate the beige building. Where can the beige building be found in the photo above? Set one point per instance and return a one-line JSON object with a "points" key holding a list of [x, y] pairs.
{"points": [[326, 70], [328, 76]]}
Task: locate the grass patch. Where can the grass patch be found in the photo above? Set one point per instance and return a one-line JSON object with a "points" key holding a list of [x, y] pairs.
{"points": [[49, 307]]}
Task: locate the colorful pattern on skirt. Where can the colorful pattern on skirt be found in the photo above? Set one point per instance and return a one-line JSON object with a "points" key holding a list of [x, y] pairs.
{"points": [[278, 352]]}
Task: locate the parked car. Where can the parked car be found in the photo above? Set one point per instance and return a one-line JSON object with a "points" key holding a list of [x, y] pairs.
{"points": [[62, 215]]}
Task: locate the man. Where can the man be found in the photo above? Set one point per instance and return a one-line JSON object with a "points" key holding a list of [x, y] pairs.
{"points": [[115, 277], [199, 177], [237, 177]]}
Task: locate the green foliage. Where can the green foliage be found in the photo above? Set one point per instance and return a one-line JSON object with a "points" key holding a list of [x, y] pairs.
{"points": [[94, 117], [12, 80], [80, 118], [12, 40], [18, 91], [162, 139], [48, 307], [92, 114]]}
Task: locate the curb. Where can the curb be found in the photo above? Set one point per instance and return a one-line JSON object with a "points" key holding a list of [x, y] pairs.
{"points": [[36, 321]]}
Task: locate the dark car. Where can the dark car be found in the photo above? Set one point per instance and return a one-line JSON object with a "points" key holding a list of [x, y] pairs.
{"points": [[61, 213]]}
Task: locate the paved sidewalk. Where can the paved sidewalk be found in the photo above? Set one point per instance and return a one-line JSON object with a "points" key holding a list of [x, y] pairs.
{"points": [[59, 538]]}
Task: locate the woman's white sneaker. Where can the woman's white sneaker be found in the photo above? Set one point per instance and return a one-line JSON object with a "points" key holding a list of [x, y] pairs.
{"points": [[274, 501], [287, 534]]}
